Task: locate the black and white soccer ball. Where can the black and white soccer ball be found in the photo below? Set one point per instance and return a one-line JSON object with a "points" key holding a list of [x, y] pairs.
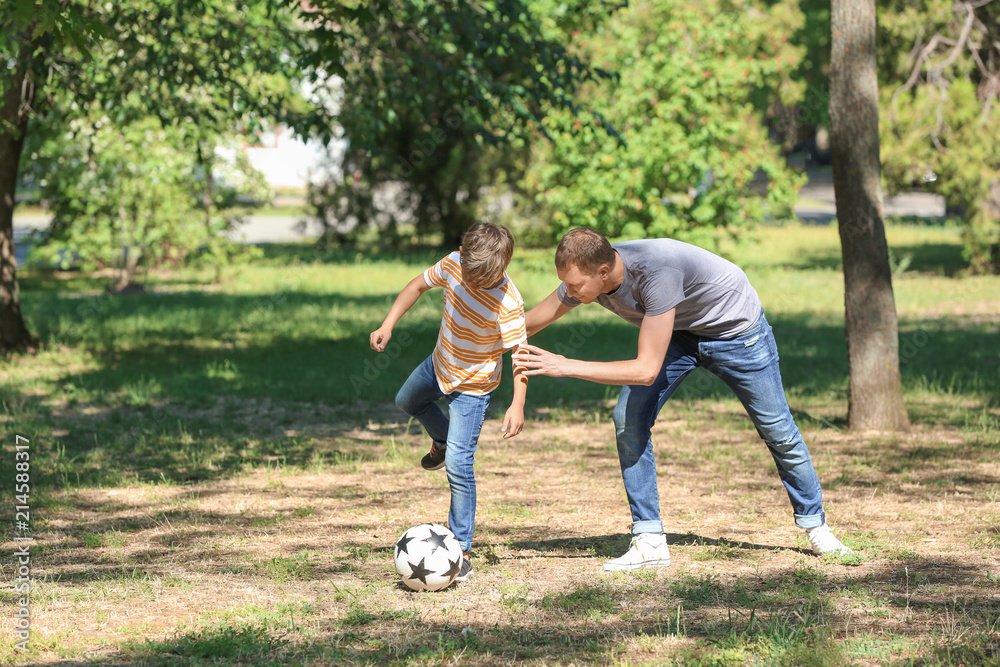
{"points": [[428, 557]]}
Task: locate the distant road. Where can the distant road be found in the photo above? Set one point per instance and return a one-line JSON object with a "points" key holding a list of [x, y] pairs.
{"points": [[257, 229], [816, 206]]}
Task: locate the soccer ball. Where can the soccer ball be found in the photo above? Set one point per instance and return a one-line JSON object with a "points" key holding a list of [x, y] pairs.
{"points": [[428, 557]]}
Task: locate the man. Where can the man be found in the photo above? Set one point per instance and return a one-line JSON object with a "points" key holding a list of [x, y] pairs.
{"points": [[693, 308]]}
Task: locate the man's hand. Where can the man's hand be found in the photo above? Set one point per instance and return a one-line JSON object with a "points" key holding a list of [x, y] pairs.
{"points": [[537, 361], [379, 338], [654, 339], [513, 421]]}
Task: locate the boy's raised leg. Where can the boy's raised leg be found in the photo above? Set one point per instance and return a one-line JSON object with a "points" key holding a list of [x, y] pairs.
{"points": [[417, 398]]}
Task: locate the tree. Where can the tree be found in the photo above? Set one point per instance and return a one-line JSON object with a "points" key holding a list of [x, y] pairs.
{"points": [[942, 129], [691, 137], [133, 197], [428, 89], [875, 395], [151, 107], [798, 106], [29, 33], [205, 63]]}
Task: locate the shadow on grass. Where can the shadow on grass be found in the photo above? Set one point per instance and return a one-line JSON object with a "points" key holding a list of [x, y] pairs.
{"points": [[288, 254], [189, 387], [196, 386], [306, 347], [794, 616], [611, 546], [943, 259]]}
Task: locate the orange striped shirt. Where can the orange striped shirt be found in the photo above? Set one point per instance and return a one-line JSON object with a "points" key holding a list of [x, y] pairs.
{"points": [[476, 327]]}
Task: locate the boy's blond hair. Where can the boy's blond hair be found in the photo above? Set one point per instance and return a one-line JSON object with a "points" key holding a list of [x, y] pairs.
{"points": [[486, 252], [587, 249]]}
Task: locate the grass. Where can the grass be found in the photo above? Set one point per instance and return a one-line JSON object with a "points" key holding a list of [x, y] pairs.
{"points": [[218, 476]]}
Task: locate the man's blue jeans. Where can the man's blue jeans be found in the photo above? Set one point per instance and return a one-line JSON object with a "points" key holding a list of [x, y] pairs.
{"points": [[748, 364], [459, 432]]}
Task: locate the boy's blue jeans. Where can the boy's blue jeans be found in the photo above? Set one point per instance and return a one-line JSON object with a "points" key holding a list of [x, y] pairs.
{"points": [[459, 432], [748, 364]]}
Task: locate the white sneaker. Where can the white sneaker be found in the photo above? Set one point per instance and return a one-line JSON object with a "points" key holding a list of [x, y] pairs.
{"points": [[823, 542], [646, 550]]}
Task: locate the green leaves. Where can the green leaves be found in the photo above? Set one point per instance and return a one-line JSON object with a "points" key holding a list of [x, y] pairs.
{"points": [[130, 106], [940, 129], [692, 143], [133, 197], [432, 92]]}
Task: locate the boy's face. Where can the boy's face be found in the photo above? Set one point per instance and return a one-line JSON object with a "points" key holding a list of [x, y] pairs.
{"points": [[582, 286]]}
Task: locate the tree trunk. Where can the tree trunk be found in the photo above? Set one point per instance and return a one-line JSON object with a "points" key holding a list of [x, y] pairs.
{"points": [[19, 92], [876, 392]]}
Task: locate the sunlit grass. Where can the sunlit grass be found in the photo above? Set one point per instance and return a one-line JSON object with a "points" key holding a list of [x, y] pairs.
{"points": [[269, 374]]}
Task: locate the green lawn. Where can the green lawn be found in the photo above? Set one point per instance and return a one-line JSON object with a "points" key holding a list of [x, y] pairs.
{"points": [[294, 326], [218, 474]]}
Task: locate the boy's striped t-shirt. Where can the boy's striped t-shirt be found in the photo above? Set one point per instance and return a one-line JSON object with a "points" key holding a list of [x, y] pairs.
{"points": [[476, 327]]}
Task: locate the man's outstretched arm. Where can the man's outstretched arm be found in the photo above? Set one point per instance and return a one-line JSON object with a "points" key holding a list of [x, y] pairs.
{"points": [[654, 339], [545, 313]]}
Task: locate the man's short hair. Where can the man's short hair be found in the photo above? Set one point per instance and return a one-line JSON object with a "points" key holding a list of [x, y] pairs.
{"points": [[486, 252], [585, 248]]}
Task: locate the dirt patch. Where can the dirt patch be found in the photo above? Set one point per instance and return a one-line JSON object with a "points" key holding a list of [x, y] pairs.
{"points": [[965, 312], [305, 553]]}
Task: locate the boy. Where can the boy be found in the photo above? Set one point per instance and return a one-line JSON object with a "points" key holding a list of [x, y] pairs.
{"points": [[483, 317]]}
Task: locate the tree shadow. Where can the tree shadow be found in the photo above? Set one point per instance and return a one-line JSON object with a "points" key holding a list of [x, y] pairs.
{"points": [[616, 545], [206, 391], [289, 254], [788, 615]]}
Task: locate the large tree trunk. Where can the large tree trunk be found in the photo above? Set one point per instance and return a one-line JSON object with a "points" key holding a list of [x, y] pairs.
{"points": [[876, 392], [19, 93]]}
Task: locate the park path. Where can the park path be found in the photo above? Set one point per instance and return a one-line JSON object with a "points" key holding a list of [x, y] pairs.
{"points": [[816, 206], [257, 229]]}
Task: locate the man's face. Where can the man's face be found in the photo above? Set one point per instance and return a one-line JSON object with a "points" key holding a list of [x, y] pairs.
{"points": [[581, 286]]}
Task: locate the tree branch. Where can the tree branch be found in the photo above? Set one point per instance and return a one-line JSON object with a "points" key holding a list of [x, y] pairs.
{"points": [[915, 73]]}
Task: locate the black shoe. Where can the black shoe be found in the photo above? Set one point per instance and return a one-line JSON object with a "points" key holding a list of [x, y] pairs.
{"points": [[466, 571], [434, 460]]}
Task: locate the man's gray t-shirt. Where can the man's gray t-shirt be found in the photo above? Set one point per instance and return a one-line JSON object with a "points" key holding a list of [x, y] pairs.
{"points": [[713, 296]]}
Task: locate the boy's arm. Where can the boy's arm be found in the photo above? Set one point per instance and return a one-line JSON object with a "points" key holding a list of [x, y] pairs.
{"points": [[513, 421], [379, 338], [545, 313]]}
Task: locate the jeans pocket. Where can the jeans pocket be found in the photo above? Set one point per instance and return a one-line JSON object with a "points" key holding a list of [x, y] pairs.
{"points": [[746, 354]]}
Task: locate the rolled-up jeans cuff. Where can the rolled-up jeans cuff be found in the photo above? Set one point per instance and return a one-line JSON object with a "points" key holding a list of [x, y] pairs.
{"points": [[810, 520], [647, 527]]}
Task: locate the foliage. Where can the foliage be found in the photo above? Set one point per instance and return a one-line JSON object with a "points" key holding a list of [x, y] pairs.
{"points": [[171, 82], [940, 115], [427, 90], [683, 104], [799, 104], [128, 197]]}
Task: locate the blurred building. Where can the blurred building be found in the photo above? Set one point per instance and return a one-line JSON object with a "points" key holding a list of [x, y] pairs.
{"points": [[285, 159]]}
